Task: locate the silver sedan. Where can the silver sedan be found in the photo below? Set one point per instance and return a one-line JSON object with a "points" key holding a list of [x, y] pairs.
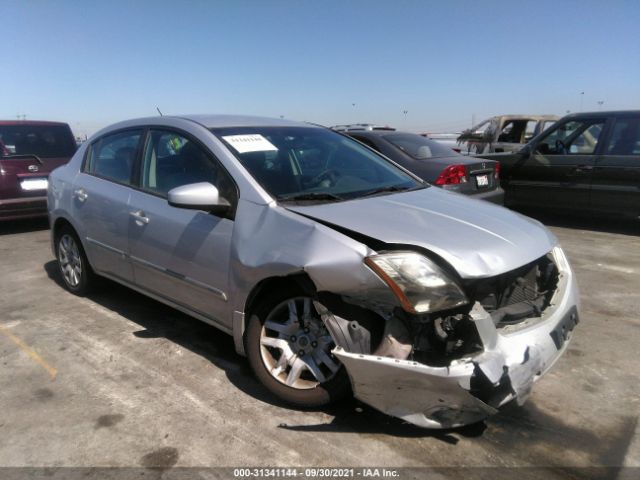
{"points": [[334, 269]]}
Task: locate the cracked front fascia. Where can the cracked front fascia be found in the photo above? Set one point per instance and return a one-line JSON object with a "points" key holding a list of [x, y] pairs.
{"points": [[440, 397], [429, 397]]}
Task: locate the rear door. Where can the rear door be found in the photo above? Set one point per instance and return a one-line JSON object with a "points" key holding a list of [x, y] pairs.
{"points": [[557, 173], [101, 193], [615, 187], [180, 254]]}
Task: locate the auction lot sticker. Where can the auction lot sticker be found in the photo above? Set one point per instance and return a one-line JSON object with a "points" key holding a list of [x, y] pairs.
{"points": [[250, 143]]}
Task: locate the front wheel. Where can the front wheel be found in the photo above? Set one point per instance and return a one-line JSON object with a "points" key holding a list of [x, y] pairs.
{"points": [[72, 262], [289, 350]]}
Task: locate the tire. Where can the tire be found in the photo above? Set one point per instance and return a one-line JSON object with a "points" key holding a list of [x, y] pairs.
{"points": [[264, 357], [74, 268]]}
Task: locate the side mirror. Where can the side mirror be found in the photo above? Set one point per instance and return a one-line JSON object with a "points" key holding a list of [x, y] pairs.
{"points": [[198, 196]]}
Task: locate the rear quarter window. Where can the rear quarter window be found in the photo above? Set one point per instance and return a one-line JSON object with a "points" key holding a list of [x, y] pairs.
{"points": [[112, 156], [625, 138]]}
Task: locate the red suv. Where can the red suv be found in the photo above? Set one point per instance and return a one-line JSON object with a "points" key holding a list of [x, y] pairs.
{"points": [[29, 150]]}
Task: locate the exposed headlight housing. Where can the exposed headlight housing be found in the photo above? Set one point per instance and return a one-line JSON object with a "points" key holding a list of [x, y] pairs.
{"points": [[420, 285]]}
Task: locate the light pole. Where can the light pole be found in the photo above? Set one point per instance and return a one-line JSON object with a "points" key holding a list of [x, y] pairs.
{"points": [[405, 118], [581, 99], [600, 103]]}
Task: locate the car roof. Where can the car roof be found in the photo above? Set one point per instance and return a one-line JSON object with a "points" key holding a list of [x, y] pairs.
{"points": [[380, 133], [610, 113], [220, 121], [361, 127], [524, 117], [30, 122]]}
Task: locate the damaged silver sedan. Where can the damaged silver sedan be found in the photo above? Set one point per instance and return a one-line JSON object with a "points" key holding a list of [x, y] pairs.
{"points": [[334, 269]]}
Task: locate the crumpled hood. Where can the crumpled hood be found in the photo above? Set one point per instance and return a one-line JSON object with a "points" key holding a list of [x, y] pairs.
{"points": [[477, 238]]}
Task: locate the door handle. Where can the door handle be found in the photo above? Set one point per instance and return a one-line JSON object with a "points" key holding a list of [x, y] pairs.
{"points": [[139, 216], [580, 170], [80, 194]]}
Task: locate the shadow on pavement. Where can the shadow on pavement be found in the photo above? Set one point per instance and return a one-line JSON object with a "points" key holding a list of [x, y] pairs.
{"points": [[528, 426], [11, 227], [160, 321], [353, 416], [603, 224]]}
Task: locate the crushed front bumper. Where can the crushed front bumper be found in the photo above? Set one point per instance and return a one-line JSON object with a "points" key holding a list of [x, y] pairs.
{"points": [[471, 388]]}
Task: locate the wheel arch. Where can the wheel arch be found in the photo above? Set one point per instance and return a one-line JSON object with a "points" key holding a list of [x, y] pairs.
{"points": [[264, 287], [56, 226], [59, 223]]}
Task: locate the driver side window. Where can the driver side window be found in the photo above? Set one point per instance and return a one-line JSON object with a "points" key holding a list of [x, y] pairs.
{"points": [[578, 137], [172, 160]]}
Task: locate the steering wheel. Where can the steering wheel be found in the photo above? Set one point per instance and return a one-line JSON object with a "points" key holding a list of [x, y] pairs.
{"points": [[330, 174], [561, 148]]}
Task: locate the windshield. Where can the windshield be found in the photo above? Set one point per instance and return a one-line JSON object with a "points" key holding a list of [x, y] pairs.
{"points": [[41, 140], [312, 164], [418, 146]]}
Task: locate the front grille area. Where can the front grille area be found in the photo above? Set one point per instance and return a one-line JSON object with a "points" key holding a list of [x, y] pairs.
{"points": [[519, 294]]}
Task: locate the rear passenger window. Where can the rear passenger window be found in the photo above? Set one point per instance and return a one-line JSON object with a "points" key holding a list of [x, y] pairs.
{"points": [[172, 160], [625, 139], [112, 156]]}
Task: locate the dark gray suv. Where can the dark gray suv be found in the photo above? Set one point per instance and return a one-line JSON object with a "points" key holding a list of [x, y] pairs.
{"points": [[585, 163]]}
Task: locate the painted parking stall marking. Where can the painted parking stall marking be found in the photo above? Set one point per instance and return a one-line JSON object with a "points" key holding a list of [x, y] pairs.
{"points": [[52, 371]]}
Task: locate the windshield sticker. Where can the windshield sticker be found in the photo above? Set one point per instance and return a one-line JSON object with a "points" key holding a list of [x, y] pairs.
{"points": [[250, 143]]}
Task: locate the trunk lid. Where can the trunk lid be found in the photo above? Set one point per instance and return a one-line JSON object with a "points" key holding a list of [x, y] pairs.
{"points": [[26, 175]]}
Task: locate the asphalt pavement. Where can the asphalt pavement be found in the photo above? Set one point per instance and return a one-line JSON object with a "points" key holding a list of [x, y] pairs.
{"points": [[119, 380]]}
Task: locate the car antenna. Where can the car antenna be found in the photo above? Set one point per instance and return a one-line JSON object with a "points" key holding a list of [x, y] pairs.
{"points": [[159, 112]]}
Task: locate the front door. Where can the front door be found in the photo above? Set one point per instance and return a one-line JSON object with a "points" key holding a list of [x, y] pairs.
{"points": [[180, 254], [557, 173]]}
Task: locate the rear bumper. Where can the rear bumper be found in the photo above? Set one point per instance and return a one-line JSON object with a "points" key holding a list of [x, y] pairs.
{"points": [[27, 207], [494, 196]]}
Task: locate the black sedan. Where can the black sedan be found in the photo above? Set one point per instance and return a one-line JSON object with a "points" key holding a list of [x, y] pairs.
{"points": [[436, 163], [585, 163]]}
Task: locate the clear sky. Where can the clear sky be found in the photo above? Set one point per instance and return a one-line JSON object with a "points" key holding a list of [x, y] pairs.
{"points": [[91, 63]]}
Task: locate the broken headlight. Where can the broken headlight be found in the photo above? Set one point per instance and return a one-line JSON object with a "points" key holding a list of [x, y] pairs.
{"points": [[420, 285]]}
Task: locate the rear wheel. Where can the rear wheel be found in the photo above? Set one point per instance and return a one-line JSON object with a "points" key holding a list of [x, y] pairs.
{"points": [[76, 273], [289, 349]]}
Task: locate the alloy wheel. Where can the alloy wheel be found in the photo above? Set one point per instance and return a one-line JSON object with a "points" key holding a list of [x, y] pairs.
{"points": [[70, 260], [296, 346]]}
